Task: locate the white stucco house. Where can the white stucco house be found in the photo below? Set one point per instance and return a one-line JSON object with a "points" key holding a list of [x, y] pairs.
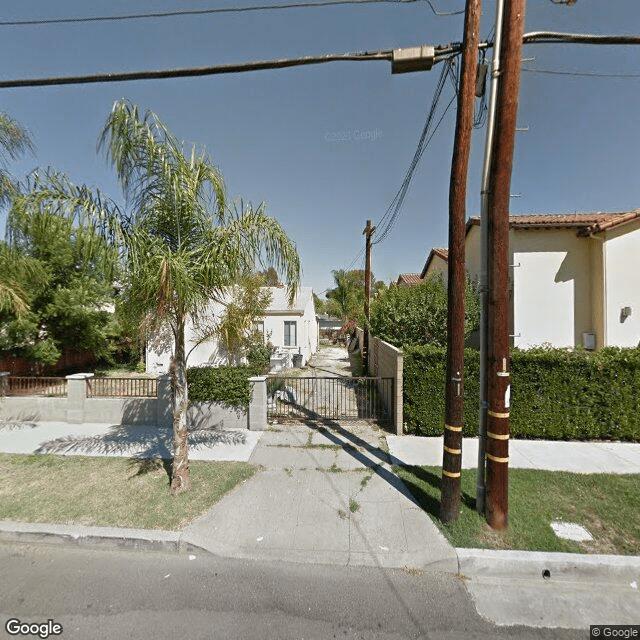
{"points": [[292, 329], [575, 278], [437, 263]]}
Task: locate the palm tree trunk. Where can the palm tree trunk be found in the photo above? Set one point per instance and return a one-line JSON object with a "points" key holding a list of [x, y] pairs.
{"points": [[180, 479]]}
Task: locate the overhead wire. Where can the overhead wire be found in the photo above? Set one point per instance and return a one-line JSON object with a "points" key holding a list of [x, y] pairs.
{"points": [[586, 74], [215, 10], [390, 217]]}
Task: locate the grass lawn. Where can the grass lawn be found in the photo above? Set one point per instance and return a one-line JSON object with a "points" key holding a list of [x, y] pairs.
{"points": [[117, 492], [608, 506]]}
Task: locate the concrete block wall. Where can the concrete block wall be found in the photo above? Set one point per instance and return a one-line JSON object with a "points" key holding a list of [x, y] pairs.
{"points": [[386, 361], [78, 408]]}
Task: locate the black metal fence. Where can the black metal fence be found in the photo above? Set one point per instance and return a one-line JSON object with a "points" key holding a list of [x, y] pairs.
{"points": [[329, 398]]}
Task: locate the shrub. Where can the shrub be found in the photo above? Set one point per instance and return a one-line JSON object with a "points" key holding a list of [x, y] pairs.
{"points": [[229, 385], [259, 355], [418, 315], [556, 394]]}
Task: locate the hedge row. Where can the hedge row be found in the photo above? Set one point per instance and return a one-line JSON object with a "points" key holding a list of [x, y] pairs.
{"points": [[555, 394], [229, 385]]}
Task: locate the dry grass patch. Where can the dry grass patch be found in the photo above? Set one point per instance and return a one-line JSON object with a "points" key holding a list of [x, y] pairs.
{"points": [[117, 492]]}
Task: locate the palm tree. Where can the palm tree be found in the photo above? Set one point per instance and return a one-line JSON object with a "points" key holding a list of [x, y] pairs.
{"points": [[14, 142], [180, 244]]}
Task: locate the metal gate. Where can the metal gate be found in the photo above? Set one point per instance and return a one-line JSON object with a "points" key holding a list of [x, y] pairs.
{"points": [[330, 398]]}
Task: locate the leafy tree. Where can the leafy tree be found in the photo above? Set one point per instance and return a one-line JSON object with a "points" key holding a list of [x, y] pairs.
{"points": [[418, 314], [270, 277], [319, 304], [64, 274], [346, 300], [181, 246]]}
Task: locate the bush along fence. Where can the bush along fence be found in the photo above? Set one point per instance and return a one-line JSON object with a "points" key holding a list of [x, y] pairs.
{"points": [[228, 397], [555, 394]]}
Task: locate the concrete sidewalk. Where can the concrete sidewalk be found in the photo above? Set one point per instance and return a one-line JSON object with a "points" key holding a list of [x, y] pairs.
{"points": [[326, 495], [104, 439], [576, 457]]}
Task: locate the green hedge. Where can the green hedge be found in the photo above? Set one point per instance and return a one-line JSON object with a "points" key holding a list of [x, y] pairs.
{"points": [[229, 385], [556, 394]]}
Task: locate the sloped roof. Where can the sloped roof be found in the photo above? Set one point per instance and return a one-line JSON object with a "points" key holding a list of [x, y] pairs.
{"points": [[280, 300], [409, 279], [585, 223], [439, 252]]}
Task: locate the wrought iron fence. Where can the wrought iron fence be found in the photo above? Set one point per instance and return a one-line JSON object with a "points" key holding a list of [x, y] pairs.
{"points": [[122, 387], [330, 398], [33, 386]]}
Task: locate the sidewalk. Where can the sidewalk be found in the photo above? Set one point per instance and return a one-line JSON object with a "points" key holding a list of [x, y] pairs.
{"points": [[326, 495], [576, 457]]}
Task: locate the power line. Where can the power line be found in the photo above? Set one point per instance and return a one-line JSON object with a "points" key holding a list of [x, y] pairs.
{"points": [[586, 74], [200, 12], [198, 71], [390, 217]]}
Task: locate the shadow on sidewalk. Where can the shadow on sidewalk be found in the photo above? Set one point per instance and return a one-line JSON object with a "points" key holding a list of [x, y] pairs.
{"points": [[352, 444]]}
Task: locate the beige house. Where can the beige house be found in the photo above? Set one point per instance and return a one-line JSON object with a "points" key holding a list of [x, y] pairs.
{"points": [[437, 263], [575, 278]]}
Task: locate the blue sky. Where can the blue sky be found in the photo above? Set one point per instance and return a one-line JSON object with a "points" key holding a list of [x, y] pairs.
{"points": [[327, 147]]}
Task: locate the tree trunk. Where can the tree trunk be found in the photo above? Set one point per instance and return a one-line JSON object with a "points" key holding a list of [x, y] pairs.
{"points": [[180, 479]]}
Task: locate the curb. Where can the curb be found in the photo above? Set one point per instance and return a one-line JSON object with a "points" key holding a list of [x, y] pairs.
{"points": [[471, 563], [104, 537], [540, 565]]}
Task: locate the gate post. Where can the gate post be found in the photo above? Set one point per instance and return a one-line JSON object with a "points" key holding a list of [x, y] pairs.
{"points": [[257, 413], [76, 396]]}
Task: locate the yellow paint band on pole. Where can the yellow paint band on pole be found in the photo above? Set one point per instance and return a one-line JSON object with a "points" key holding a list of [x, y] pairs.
{"points": [[497, 436], [495, 414], [496, 459], [452, 428], [455, 452], [450, 474]]}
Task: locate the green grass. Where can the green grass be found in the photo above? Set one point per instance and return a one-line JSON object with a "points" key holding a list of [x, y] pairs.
{"points": [[607, 505], [105, 491]]}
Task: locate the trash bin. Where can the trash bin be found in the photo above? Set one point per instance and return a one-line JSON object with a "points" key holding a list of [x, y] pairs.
{"points": [[297, 360]]}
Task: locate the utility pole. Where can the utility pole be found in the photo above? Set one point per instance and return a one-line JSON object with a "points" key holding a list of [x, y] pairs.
{"points": [[368, 232], [484, 253], [452, 453], [498, 359]]}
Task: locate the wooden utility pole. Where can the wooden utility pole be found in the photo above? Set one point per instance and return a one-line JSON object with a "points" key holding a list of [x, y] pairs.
{"points": [[498, 359], [368, 232], [452, 454]]}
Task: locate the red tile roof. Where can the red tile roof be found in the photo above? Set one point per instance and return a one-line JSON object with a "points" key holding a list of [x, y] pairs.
{"points": [[409, 279], [585, 223], [440, 252]]}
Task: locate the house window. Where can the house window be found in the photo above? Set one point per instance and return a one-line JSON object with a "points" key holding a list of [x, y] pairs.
{"points": [[290, 333], [259, 328]]}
